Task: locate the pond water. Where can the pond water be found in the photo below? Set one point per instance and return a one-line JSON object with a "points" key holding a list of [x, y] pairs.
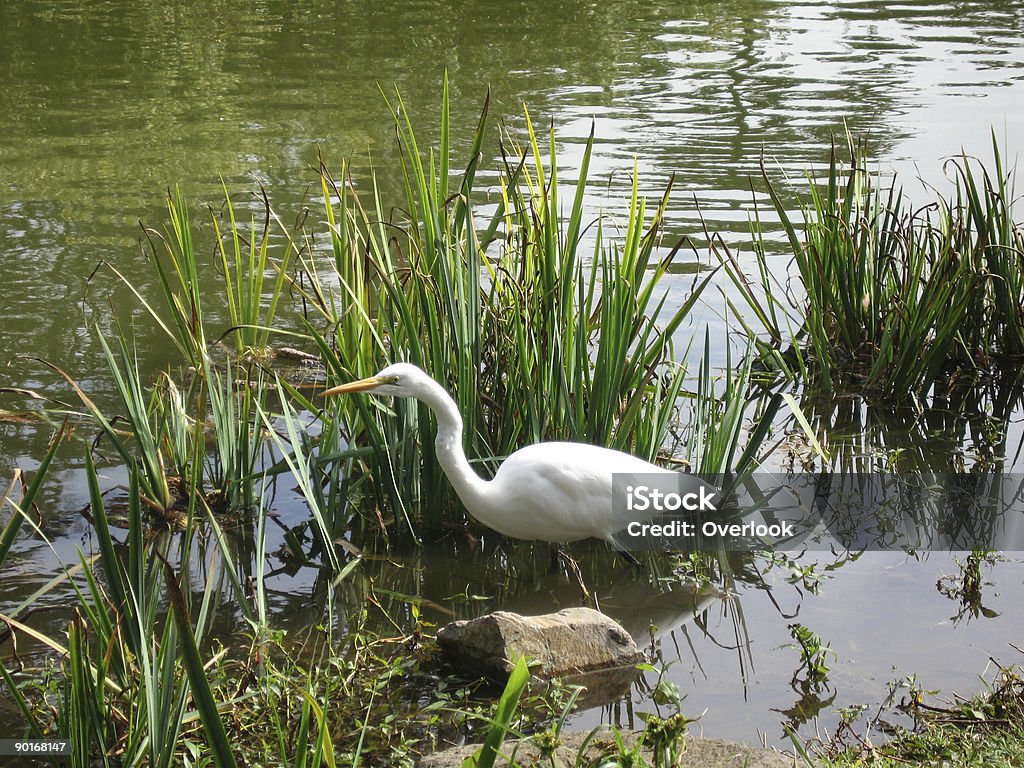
{"points": [[105, 105]]}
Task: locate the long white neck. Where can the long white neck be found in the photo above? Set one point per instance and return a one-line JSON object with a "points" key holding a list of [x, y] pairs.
{"points": [[470, 487]]}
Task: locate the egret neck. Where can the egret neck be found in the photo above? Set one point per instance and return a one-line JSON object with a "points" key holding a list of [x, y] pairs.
{"points": [[469, 486]]}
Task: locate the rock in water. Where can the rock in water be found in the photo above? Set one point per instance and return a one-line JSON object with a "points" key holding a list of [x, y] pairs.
{"points": [[570, 642]]}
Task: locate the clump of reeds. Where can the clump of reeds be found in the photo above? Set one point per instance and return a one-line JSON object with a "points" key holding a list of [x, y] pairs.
{"points": [[894, 299]]}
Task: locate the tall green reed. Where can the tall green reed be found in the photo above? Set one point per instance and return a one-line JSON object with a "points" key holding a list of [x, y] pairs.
{"points": [[220, 386], [979, 219], [245, 255], [234, 396], [176, 262], [245, 260], [26, 498], [154, 477], [161, 426], [715, 440]]}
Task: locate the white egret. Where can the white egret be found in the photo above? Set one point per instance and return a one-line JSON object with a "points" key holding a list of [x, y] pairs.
{"points": [[554, 492]]}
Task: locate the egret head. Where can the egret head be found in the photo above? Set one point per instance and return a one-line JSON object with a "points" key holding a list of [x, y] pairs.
{"points": [[398, 380]]}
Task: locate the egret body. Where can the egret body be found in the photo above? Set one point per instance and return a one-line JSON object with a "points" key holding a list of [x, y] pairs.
{"points": [[554, 492]]}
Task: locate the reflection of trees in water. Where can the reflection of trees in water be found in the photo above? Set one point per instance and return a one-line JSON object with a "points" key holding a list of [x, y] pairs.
{"points": [[786, 79], [215, 87]]}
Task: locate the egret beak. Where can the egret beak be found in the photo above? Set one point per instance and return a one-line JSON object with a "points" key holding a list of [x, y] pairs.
{"points": [[363, 385]]}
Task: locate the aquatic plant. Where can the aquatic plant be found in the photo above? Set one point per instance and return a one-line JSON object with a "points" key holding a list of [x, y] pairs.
{"points": [[245, 260], [714, 435], [977, 731], [135, 684], [501, 723], [813, 657], [29, 491], [120, 697], [233, 398], [893, 300]]}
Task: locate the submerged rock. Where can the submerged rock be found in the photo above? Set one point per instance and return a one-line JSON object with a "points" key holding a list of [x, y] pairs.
{"points": [[570, 642]]}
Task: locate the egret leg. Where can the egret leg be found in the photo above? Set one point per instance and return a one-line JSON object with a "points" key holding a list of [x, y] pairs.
{"points": [[628, 557], [623, 553], [555, 552]]}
